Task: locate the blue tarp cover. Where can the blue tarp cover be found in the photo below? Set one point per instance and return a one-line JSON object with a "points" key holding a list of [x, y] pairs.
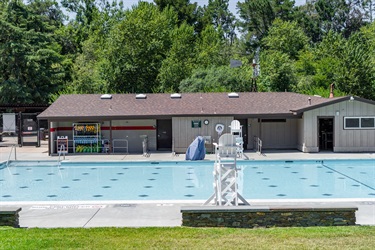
{"points": [[196, 150]]}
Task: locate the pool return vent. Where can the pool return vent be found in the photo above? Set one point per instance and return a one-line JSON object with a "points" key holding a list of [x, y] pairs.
{"points": [[226, 173]]}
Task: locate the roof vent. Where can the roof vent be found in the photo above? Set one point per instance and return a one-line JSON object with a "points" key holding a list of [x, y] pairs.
{"points": [[141, 96], [175, 95], [106, 96], [233, 95]]}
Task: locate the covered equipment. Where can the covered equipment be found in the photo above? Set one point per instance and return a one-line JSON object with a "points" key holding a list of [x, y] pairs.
{"points": [[196, 150]]}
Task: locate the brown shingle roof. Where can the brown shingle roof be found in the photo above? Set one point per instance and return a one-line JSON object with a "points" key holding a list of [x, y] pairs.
{"points": [[159, 105]]}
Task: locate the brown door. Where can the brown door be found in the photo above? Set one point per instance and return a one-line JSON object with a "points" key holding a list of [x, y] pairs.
{"points": [[164, 133]]}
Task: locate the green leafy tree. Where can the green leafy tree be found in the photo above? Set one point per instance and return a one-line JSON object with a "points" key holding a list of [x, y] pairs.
{"points": [[277, 72], [217, 14], [286, 37], [31, 68], [308, 20], [88, 65], [180, 59], [257, 17], [217, 79], [344, 16], [186, 11], [356, 72], [317, 67], [137, 47], [209, 48]]}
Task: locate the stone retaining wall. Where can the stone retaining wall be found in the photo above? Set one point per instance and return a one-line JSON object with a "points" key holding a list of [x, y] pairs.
{"points": [[252, 217], [9, 217]]}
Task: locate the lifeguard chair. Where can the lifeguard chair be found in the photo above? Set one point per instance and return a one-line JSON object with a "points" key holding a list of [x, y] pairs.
{"points": [[226, 173]]}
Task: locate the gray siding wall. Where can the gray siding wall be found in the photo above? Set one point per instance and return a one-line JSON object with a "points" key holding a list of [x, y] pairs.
{"points": [[274, 135], [183, 134], [279, 135], [348, 140], [253, 132], [300, 135]]}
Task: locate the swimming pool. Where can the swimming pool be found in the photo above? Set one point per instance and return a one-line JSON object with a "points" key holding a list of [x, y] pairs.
{"points": [[185, 181]]}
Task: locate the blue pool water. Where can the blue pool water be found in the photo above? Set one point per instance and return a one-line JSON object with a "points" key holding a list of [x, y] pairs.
{"points": [[43, 181]]}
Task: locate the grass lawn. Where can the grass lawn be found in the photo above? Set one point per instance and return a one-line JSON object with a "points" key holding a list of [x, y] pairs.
{"points": [[353, 237]]}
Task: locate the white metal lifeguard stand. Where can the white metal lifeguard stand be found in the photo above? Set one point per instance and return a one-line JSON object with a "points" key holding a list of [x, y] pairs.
{"points": [[226, 173]]}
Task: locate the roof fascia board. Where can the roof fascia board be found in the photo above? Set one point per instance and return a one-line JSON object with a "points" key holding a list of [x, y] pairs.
{"points": [[345, 98]]}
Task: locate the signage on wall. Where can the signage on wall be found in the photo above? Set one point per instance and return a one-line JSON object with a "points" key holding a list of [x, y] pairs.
{"points": [[62, 144], [195, 124]]}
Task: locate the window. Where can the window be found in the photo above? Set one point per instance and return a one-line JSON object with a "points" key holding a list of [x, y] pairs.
{"points": [[359, 122], [367, 122]]}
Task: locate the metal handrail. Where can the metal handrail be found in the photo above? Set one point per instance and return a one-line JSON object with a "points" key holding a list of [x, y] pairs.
{"points": [[10, 154], [61, 151], [118, 147], [258, 145], [68, 148]]}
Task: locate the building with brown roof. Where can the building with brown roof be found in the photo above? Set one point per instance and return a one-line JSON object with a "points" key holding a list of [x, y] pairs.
{"points": [[282, 120]]}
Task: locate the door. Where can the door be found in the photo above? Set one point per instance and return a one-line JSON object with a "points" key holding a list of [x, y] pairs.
{"points": [[164, 132], [243, 122], [325, 136]]}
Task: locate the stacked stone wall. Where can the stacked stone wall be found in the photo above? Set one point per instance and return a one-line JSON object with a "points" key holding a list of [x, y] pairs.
{"points": [[9, 217], [253, 217]]}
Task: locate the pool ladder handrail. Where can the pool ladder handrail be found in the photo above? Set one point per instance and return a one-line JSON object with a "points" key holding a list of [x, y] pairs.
{"points": [[61, 151], [258, 145], [10, 154]]}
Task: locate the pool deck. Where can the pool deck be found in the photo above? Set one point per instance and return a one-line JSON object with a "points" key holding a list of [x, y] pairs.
{"points": [[158, 213]]}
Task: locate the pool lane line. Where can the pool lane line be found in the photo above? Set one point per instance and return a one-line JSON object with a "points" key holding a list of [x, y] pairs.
{"points": [[92, 217], [347, 176]]}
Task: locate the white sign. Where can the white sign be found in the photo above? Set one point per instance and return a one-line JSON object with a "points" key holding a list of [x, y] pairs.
{"points": [[9, 122]]}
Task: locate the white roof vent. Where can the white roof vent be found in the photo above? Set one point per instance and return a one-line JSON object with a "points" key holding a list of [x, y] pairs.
{"points": [[233, 95], [106, 96], [175, 95], [141, 96]]}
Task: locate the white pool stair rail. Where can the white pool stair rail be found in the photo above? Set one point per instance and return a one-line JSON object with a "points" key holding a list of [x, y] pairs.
{"points": [[10, 154], [226, 173], [62, 151]]}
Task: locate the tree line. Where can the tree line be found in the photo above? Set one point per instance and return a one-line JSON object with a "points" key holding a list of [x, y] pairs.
{"points": [[177, 46]]}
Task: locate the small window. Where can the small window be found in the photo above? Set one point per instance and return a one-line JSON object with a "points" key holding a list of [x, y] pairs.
{"points": [[351, 122], [359, 122], [367, 122]]}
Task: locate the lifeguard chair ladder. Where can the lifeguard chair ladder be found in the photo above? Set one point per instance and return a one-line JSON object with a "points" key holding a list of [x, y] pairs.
{"points": [[226, 173]]}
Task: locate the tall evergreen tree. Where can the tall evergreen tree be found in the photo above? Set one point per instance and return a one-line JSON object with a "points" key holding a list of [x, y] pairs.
{"points": [[31, 67]]}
